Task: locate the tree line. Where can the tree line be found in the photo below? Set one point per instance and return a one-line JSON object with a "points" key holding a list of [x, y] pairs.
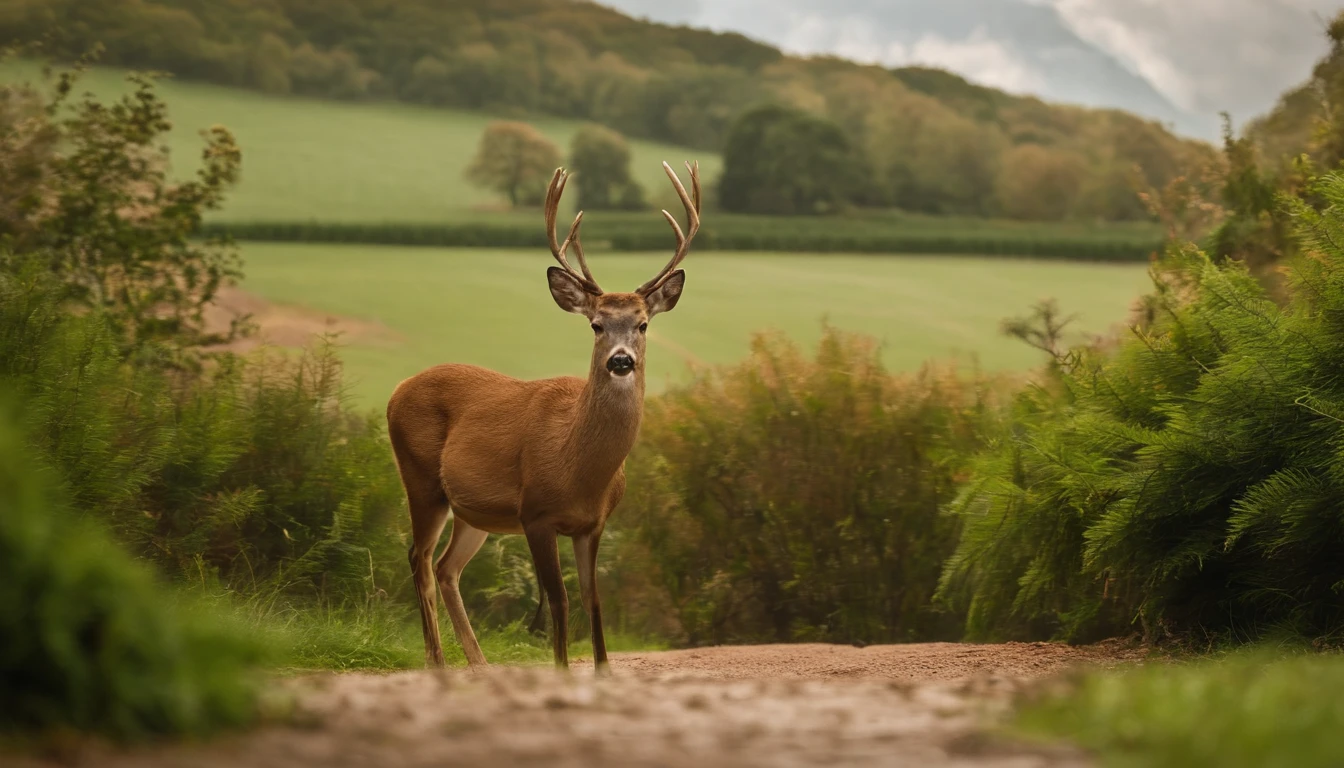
{"points": [[925, 140]]}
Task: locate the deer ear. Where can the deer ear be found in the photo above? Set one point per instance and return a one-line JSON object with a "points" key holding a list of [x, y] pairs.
{"points": [[667, 295], [568, 293]]}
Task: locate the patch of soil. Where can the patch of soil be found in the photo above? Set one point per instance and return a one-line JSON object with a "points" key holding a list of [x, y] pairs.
{"points": [[284, 325], [781, 705]]}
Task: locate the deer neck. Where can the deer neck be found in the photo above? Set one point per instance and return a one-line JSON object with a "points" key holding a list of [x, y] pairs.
{"points": [[606, 424]]}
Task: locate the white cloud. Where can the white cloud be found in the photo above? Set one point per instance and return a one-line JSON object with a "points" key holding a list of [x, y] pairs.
{"points": [[1204, 56], [978, 56], [1207, 55]]}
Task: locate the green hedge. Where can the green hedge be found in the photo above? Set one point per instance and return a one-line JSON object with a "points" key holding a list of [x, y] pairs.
{"points": [[834, 236]]}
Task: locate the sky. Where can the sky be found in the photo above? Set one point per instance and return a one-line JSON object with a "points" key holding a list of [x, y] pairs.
{"points": [[1179, 61]]}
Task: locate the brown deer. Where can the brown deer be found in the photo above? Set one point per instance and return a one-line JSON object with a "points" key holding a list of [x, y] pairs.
{"points": [[541, 458]]}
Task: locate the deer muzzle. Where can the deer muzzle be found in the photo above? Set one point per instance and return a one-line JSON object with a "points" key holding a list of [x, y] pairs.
{"points": [[620, 364]]}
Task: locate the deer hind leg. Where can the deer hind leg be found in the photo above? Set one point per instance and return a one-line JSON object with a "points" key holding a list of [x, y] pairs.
{"points": [[538, 625], [427, 521], [546, 557], [585, 556], [464, 543]]}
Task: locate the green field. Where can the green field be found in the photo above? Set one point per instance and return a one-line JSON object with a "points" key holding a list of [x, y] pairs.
{"points": [[492, 307], [310, 159], [396, 165]]}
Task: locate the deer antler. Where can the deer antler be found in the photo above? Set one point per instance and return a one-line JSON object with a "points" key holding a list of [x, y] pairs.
{"points": [[558, 249], [692, 226]]}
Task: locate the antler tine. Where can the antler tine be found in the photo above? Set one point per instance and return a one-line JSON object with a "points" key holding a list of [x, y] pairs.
{"points": [[558, 249], [578, 249], [692, 225]]}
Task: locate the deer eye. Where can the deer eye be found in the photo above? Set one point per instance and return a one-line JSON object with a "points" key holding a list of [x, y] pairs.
{"points": [[597, 328], [643, 327]]}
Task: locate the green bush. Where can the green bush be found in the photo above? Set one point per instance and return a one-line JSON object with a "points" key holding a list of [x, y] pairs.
{"points": [[88, 640], [791, 499], [253, 473], [1186, 482]]}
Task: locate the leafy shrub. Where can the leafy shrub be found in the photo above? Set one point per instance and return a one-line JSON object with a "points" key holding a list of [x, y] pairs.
{"points": [[791, 499], [1187, 481], [255, 472], [90, 196], [87, 638]]}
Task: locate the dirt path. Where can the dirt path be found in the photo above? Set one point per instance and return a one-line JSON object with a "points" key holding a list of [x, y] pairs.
{"points": [[285, 325], [907, 705]]}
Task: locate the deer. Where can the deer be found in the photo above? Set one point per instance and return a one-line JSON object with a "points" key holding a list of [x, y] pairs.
{"points": [[542, 458]]}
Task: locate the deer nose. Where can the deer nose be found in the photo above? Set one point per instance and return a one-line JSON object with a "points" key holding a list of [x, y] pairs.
{"points": [[620, 364]]}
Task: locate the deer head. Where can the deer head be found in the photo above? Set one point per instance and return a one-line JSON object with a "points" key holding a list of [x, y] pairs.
{"points": [[619, 320]]}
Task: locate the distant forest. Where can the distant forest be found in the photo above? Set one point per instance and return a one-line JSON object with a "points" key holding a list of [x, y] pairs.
{"points": [[928, 140]]}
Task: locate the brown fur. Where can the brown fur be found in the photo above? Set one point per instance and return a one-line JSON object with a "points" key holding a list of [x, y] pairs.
{"points": [[539, 458], [542, 458]]}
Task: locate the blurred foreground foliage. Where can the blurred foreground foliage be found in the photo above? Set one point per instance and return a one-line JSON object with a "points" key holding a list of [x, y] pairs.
{"points": [[88, 639], [1249, 709]]}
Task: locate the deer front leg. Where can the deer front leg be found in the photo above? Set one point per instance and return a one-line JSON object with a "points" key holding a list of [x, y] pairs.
{"points": [[541, 540], [585, 555]]}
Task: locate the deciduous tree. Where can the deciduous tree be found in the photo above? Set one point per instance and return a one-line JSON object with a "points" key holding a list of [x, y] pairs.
{"points": [[784, 161], [515, 160], [601, 161]]}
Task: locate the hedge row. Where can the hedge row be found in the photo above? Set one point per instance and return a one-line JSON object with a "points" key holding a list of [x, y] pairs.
{"points": [[639, 238]]}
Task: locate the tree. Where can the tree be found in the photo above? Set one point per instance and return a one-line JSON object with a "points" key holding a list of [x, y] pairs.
{"points": [[783, 161], [104, 217], [601, 161], [515, 160], [1039, 183]]}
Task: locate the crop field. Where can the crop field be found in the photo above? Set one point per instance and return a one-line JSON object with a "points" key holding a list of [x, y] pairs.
{"points": [[416, 307]]}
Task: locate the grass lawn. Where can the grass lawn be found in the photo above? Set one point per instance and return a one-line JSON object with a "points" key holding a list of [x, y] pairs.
{"points": [[312, 159], [492, 307]]}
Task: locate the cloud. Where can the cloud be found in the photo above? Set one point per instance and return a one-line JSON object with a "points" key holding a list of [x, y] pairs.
{"points": [[1207, 55], [981, 59], [665, 11], [977, 56], [1203, 56]]}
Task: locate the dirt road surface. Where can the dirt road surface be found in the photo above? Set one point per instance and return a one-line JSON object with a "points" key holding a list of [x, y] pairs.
{"points": [[797, 705]]}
